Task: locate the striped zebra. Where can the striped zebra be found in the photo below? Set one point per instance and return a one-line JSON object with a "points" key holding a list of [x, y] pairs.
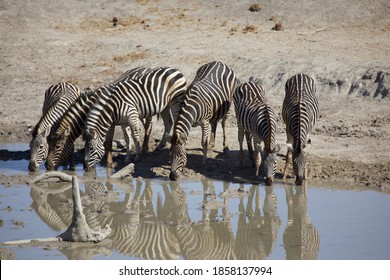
{"points": [[300, 113], [58, 98], [256, 119], [158, 91], [206, 101], [72, 123]]}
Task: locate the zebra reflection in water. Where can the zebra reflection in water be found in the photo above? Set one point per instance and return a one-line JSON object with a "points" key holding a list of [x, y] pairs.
{"points": [[257, 232], [149, 225], [301, 239]]}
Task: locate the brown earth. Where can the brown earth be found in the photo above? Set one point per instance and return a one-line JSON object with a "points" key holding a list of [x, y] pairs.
{"points": [[344, 44]]}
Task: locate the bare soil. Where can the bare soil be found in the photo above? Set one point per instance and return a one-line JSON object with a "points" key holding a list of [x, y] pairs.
{"points": [[345, 44]]}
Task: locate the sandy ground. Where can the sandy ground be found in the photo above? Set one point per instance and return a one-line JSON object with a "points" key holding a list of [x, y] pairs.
{"points": [[345, 44]]}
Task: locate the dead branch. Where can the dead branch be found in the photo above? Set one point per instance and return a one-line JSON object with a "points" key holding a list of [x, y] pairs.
{"points": [[54, 174], [78, 231], [124, 172]]}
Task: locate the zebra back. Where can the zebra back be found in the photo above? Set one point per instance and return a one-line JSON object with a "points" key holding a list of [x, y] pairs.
{"points": [[52, 95], [208, 97], [300, 109], [61, 97], [149, 94], [255, 114]]}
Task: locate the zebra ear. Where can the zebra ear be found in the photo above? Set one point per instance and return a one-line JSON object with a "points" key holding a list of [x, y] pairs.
{"points": [[45, 133], [30, 128], [277, 148], [289, 147], [308, 144]]}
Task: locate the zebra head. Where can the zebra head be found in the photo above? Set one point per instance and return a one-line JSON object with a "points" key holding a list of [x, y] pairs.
{"points": [[299, 163], [58, 150], [269, 165], [38, 149], [178, 155], [93, 149]]}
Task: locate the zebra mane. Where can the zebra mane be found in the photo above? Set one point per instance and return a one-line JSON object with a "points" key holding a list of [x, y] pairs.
{"points": [[52, 116], [255, 80], [41, 126], [64, 121]]}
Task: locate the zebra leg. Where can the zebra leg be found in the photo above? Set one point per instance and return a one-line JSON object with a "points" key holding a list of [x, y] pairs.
{"points": [[127, 134], [72, 165], [288, 162], [167, 120], [148, 131], [256, 156], [288, 155], [305, 170], [205, 139], [240, 141], [212, 136], [134, 127], [248, 137], [224, 128], [108, 146]]}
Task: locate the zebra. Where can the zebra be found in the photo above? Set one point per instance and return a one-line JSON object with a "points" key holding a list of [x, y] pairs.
{"points": [[206, 101], [58, 98], [71, 125], [256, 119], [158, 91], [300, 113]]}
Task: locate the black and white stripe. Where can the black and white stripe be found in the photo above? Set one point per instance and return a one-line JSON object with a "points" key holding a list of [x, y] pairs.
{"points": [[158, 91], [72, 123], [256, 118], [301, 240], [300, 113], [58, 98], [207, 100]]}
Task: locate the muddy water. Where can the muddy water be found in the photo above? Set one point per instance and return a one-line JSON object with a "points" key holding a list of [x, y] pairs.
{"points": [[207, 219]]}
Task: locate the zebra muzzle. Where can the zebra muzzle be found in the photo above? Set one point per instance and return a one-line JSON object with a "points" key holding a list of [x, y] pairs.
{"points": [[33, 166], [173, 175], [299, 180]]}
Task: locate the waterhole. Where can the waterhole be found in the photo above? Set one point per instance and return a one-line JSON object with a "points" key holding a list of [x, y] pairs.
{"points": [[193, 219]]}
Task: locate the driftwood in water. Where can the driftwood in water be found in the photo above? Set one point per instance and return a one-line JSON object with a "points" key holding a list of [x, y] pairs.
{"points": [[78, 231], [124, 172]]}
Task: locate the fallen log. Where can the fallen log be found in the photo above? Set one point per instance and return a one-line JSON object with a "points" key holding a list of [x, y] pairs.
{"points": [[124, 172]]}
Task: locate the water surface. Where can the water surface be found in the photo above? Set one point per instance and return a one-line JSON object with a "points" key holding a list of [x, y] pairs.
{"points": [[205, 219]]}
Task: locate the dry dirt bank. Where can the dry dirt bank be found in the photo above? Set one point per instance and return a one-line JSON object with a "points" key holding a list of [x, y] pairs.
{"points": [[344, 44]]}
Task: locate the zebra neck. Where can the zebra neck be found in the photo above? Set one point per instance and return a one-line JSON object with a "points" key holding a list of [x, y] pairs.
{"points": [[75, 117], [183, 125]]}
